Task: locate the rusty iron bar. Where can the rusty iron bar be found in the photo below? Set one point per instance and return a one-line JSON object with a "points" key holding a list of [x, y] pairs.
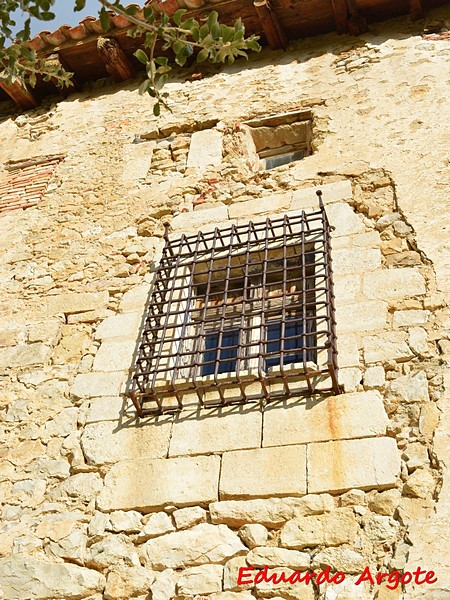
{"points": [[215, 293]]}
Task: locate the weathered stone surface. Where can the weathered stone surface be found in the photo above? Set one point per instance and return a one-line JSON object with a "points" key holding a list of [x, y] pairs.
{"points": [[188, 517], [144, 484], [333, 417], [24, 577], [340, 559], [83, 486], [124, 583], [115, 354], [348, 352], [158, 523], [24, 355], [105, 409], [344, 220], [104, 443], [263, 472], [384, 503], [204, 579], [125, 521], [292, 591], [364, 316], [205, 149], [202, 544], [268, 204], [356, 260], [195, 433], [123, 325], [389, 284], [194, 220], [164, 586], [91, 385], [76, 303], [134, 300], [409, 388], [420, 484], [333, 529], [406, 318], [254, 535], [57, 526], [374, 377], [341, 465], [332, 192], [228, 595], [112, 550], [390, 345], [416, 455], [278, 557], [380, 529]]}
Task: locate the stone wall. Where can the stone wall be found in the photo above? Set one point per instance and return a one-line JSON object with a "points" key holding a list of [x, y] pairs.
{"points": [[98, 504]]}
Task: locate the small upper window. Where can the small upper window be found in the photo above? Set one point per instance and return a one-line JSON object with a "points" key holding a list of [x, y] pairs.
{"points": [[280, 139], [240, 314]]}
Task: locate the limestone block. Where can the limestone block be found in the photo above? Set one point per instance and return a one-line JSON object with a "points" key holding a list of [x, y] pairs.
{"points": [[374, 377], [135, 299], [83, 486], [406, 318], [63, 423], [363, 316], [420, 484], [137, 159], [342, 465], [332, 192], [164, 586], [205, 149], [24, 577], [104, 409], [272, 512], [24, 355], [332, 529], [123, 325], [188, 517], [344, 220], [263, 472], [331, 418], [384, 503], [48, 331], [24, 452], [158, 523], [143, 484], [409, 388], [112, 550], [340, 559], [346, 288], [228, 595], [390, 284], [106, 442], [91, 385], [380, 529], [195, 220], [418, 341], [231, 574], [125, 521], [125, 582], [57, 526], [115, 355], [390, 345], [293, 591], [356, 260], [201, 432], [204, 579], [349, 379], [278, 557], [348, 352], [254, 535], [76, 302], [200, 545], [266, 205], [416, 455]]}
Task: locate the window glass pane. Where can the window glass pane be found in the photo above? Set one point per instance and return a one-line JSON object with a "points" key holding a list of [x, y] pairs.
{"points": [[293, 327], [227, 354]]}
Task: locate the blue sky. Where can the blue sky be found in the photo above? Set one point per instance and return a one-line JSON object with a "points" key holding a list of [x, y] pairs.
{"points": [[64, 12]]}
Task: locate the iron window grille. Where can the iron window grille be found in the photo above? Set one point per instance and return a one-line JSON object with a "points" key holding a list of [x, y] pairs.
{"points": [[240, 314]]}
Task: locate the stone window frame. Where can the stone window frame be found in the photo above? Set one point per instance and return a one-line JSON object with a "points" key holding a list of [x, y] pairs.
{"points": [[293, 127], [162, 378]]}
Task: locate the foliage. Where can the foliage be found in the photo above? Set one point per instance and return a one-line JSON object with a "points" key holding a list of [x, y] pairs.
{"points": [[176, 39]]}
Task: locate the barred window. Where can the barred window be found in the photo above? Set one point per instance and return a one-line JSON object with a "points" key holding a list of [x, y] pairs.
{"points": [[241, 314]]}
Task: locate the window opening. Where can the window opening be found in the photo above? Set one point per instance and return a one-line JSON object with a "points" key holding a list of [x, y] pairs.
{"points": [[240, 314]]}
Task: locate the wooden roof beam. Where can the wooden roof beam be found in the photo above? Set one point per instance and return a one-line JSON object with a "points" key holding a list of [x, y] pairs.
{"points": [[357, 24], [24, 98], [116, 61], [341, 15], [271, 26], [416, 11]]}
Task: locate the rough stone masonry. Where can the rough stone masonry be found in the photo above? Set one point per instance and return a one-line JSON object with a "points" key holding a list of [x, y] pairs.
{"points": [[97, 504]]}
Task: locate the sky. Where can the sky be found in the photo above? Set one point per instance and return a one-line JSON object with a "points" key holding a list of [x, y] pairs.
{"points": [[65, 14]]}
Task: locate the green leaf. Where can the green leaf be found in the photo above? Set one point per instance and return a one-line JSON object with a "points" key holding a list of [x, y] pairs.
{"points": [[252, 44], [79, 4], [144, 87], [188, 24], [157, 109], [212, 18], [202, 55], [195, 33], [178, 15], [47, 16], [104, 19], [141, 56], [163, 70], [162, 60]]}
